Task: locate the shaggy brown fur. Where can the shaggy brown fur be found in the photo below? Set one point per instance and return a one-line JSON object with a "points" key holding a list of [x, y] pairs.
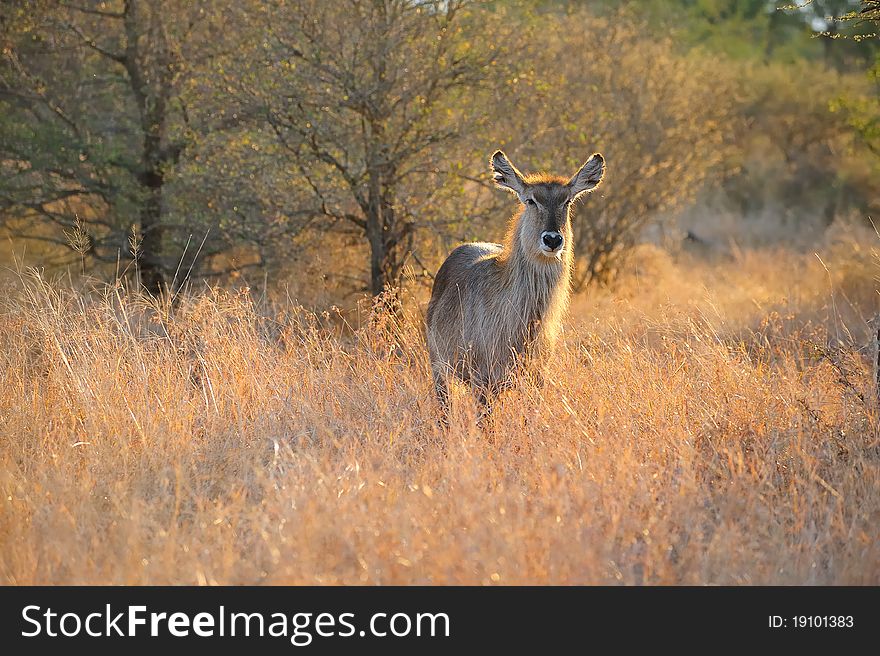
{"points": [[495, 306]]}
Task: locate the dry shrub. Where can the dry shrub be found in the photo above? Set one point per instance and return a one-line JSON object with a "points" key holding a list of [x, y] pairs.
{"points": [[661, 119]]}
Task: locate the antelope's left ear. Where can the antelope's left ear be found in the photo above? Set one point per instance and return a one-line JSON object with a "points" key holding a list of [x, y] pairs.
{"points": [[588, 178]]}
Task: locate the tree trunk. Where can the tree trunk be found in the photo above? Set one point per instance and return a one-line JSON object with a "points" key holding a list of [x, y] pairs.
{"points": [[375, 234], [828, 45], [877, 358], [390, 241], [151, 267], [152, 102], [377, 255]]}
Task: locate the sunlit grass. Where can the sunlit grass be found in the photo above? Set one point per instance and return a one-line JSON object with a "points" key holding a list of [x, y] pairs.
{"points": [[705, 424]]}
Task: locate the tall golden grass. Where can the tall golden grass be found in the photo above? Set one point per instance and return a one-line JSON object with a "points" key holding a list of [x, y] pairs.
{"points": [[707, 423]]}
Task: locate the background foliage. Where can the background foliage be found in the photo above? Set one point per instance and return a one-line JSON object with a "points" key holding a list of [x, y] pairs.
{"points": [[342, 151]]}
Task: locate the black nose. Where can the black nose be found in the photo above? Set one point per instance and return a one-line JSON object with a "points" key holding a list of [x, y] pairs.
{"points": [[552, 240]]}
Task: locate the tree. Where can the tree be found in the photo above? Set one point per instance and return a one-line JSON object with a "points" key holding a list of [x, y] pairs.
{"points": [[366, 100], [70, 77], [869, 12], [863, 111], [95, 120], [662, 121]]}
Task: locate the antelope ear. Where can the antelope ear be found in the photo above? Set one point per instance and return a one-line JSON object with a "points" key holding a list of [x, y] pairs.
{"points": [[588, 178], [506, 175]]}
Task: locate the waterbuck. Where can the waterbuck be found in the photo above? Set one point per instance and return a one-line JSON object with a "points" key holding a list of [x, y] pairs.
{"points": [[493, 306]]}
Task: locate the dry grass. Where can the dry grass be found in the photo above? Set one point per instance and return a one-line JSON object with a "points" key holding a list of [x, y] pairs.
{"points": [[704, 425]]}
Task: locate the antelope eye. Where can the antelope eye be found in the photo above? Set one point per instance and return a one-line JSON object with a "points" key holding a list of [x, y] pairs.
{"points": [[531, 202]]}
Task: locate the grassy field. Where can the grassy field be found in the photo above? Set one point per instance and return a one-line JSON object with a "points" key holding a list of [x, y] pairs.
{"points": [[711, 421]]}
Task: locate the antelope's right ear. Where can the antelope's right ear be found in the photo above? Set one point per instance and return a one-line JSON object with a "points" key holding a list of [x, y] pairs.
{"points": [[506, 175]]}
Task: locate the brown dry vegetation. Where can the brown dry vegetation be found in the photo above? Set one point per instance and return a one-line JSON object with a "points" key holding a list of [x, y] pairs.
{"points": [[708, 423]]}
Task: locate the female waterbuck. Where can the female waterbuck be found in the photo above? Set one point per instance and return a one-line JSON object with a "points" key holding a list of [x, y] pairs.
{"points": [[494, 306]]}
